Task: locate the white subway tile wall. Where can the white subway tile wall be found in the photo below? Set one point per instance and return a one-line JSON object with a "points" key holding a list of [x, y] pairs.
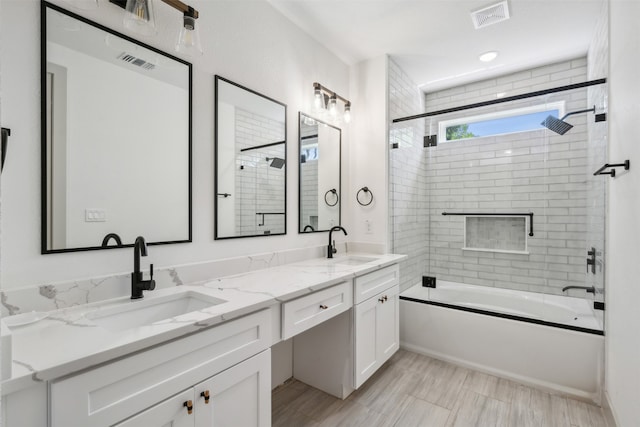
{"points": [[538, 172], [309, 182], [409, 222], [260, 201]]}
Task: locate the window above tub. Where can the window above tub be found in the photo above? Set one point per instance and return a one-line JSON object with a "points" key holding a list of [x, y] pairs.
{"points": [[498, 123]]}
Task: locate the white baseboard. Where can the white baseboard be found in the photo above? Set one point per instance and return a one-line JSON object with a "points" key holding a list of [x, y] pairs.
{"points": [[607, 410]]}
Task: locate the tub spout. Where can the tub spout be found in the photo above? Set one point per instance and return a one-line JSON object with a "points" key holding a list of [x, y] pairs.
{"points": [[589, 289]]}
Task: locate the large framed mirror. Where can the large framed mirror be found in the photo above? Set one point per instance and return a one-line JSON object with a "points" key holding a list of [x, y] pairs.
{"points": [[116, 138], [251, 166], [319, 188]]}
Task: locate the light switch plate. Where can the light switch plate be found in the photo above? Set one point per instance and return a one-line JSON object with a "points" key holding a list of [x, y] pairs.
{"points": [[95, 215]]}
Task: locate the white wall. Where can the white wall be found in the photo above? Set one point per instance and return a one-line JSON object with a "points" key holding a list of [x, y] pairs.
{"points": [[623, 243], [245, 41], [368, 152]]}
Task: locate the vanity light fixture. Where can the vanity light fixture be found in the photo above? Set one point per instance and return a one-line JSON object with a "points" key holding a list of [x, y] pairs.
{"points": [[189, 36], [347, 112], [139, 17], [317, 96], [324, 97], [333, 107]]}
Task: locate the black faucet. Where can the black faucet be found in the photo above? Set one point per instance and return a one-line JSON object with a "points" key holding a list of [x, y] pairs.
{"points": [[589, 289], [114, 236], [137, 284], [309, 227], [332, 246]]}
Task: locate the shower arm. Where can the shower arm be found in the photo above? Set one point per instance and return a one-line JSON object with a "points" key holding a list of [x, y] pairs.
{"points": [[588, 110]]}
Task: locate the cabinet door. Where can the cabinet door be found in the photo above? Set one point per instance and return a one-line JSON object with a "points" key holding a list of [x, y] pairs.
{"points": [[377, 333], [238, 397], [365, 322], [388, 325], [169, 413]]}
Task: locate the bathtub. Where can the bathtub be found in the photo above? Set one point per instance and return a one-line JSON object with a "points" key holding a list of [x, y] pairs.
{"points": [[548, 341]]}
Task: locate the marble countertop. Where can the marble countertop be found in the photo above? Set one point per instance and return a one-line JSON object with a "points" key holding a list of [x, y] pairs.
{"points": [[67, 341]]}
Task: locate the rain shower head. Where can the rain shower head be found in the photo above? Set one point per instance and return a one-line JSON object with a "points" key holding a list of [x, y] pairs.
{"points": [[561, 127], [276, 162]]}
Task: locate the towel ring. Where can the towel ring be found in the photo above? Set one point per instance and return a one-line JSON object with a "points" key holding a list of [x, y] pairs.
{"points": [[366, 190], [335, 193]]}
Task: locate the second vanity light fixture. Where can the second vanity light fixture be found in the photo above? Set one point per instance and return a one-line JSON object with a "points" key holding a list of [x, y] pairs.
{"points": [[139, 17], [324, 97]]}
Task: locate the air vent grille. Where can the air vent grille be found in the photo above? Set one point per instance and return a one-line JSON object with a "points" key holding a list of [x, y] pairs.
{"points": [[136, 61], [490, 15]]}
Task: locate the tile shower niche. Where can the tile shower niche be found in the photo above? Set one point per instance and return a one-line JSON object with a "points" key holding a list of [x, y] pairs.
{"points": [[495, 234]]}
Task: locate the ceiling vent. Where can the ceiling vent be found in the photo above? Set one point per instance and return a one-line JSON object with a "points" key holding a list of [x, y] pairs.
{"points": [[136, 61], [490, 15]]}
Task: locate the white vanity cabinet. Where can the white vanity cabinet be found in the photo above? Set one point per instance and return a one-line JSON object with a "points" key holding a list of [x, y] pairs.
{"points": [[340, 354], [376, 321], [151, 387], [376, 335], [239, 396]]}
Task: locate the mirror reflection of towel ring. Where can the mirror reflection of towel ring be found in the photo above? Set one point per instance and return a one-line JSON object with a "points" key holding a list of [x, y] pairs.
{"points": [[335, 193], [366, 190]]}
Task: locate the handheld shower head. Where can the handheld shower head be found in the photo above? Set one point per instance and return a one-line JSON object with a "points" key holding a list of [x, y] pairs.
{"points": [[561, 127]]}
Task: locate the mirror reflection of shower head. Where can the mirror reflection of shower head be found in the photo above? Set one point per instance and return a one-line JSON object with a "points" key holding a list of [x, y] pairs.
{"points": [[561, 127], [276, 162]]}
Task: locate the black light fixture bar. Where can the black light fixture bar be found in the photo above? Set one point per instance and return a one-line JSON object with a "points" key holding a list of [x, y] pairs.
{"points": [[502, 100], [329, 92]]}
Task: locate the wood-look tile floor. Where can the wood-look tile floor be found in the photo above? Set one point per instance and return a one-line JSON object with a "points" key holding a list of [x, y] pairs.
{"points": [[416, 390]]}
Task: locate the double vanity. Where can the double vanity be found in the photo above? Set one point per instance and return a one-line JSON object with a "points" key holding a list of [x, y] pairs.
{"points": [[200, 355], [208, 352]]}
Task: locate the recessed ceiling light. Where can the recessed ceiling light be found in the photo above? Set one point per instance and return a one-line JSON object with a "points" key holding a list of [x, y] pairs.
{"points": [[488, 56]]}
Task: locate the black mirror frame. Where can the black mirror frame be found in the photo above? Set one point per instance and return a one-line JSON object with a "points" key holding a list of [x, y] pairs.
{"points": [[300, 230], [43, 121], [218, 78]]}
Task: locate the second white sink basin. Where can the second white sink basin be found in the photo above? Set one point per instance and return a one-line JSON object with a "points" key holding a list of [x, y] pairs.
{"points": [[355, 260], [135, 313]]}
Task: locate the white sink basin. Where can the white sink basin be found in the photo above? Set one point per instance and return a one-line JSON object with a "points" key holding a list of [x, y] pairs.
{"points": [[135, 313], [355, 260]]}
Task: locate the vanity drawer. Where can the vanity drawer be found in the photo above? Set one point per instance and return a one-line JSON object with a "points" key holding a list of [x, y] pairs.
{"points": [[373, 283], [306, 312], [110, 393]]}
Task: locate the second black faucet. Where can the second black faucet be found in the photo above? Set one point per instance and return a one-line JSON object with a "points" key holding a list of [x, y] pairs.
{"points": [[331, 249]]}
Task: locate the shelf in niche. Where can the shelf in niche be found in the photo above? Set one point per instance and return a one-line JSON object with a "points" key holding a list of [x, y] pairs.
{"points": [[500, 251], [501, 234]]}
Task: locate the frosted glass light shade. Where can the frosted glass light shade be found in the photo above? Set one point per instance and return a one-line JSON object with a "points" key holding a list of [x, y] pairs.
{"points": [[189, 38], [347, 113], [139, 17], [333, 107]]}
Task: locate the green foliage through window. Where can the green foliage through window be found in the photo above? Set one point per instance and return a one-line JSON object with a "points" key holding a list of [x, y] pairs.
{"points": [[459, 132]]}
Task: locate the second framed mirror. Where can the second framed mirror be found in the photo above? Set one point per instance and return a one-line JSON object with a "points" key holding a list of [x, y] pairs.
{"points": [[319, 187], [251, 170]]}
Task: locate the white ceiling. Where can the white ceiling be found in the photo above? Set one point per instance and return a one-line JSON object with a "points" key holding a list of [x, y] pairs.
{"points": [[435, 42]]}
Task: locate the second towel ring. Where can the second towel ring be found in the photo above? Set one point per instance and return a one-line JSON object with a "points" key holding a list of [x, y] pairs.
{"points": [[335, 193], [366, 190]]}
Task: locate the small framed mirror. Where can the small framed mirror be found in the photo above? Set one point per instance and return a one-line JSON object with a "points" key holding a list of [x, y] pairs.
{"points": [[116, 138], [251, 163], [319, 187]]}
